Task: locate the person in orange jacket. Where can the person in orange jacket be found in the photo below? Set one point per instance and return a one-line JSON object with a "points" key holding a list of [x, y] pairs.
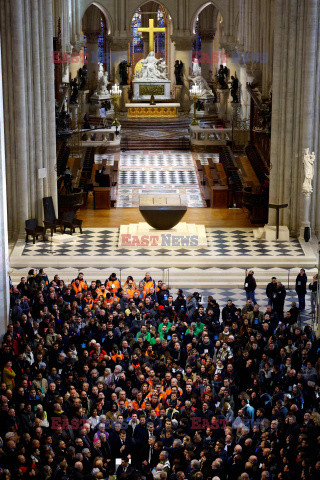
{"points": [[113, 284], [130, 279], [129, 289], [79, 285], [148, 282]]}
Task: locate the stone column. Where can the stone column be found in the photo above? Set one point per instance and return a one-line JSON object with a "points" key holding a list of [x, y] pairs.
{"points": [[4, 257], [293, 123], [49, 113], [92, 59], [223, 105], [183, 46], [207, 53], [91, 26], [29, 108], [119, 52]]}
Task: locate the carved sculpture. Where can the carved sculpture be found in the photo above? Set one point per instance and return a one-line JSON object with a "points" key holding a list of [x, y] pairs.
{"points": [[308, 164], [152, 69]]}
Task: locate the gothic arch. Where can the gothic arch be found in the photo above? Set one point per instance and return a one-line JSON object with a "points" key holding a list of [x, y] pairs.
{"points": [[162, 3], [110, 23], [199, 9]]}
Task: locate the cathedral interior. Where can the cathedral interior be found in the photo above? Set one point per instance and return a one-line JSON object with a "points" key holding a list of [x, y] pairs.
{"points": [[178, 138]]}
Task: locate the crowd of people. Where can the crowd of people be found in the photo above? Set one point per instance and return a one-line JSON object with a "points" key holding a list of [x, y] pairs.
{"points": [[102, 379]]}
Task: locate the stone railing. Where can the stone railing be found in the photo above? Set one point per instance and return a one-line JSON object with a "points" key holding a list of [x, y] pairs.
{"points": [[210, 136], [101, 137]]}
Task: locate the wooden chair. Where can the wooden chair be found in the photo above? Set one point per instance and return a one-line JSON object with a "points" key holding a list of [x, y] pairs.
{"points": [[50, 220], [32, 228], [70, 221]]}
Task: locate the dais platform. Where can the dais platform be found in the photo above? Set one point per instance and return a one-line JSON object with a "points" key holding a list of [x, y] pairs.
{"points": [[234, 249]]}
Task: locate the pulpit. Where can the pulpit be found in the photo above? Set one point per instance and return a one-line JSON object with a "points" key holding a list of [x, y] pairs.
{"points": [[101, 198]]}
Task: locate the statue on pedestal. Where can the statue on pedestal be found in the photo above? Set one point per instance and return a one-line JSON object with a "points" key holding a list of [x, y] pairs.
{"points": [[102, 89], [199, 81], [82, 77], [75, 91], [308, 163], [123, 72], [196, 68], [234, 89], [178, 72]]}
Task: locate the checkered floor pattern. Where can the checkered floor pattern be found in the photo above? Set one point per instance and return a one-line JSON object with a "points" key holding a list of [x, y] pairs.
{"points": [[95, 242], [235, 242], [238, 297], [178, 177], [134, 160], [158, 169]]}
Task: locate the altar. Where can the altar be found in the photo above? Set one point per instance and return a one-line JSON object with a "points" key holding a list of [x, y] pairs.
{"points": [[159, 110], [143, 89]]}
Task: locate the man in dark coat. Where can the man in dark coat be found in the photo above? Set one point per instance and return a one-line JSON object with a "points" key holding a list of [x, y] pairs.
{"points": [[301, 288], [250, 286], [271, 290]]}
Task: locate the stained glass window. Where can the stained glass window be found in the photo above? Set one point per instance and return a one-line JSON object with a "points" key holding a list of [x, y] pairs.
{"points": [[196, 44], [102, 43], [102, 51], [137, 36], [160, 38]]}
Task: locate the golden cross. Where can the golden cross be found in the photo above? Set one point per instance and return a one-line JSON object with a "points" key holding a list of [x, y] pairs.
{"points": [[151, 30]]}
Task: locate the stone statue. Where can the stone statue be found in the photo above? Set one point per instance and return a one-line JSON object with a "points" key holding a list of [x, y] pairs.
{"points": [[196, 68], [222, 75], [308, 163], [75, 91], [152, 69], [103, 85], [100, 71], [82, 77], [205, 90], [123, 72], [234, 89], [86, 120], [178, 72]]}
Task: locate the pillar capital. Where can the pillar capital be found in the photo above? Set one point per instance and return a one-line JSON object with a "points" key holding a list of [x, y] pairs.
{"points": [[120, 44], [207, 35], [92, 36], [183, 42]]}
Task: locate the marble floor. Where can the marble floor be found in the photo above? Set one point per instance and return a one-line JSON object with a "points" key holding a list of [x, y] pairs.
{"points": [[224, 243], [227, 248], [162, 172]]}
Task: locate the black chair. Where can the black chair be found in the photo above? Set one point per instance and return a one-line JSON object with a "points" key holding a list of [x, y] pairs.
{"points": [[50, 220], [70, 221], [32, 228]]}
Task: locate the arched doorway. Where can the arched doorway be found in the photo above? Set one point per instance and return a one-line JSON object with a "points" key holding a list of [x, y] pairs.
{"points": [[207, 27], [96, 47]]}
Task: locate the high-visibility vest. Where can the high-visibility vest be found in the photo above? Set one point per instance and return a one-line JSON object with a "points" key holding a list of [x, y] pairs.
{"points": [[113, 286], [148, 285], [133, 285], [82, 286], [130, 292]]}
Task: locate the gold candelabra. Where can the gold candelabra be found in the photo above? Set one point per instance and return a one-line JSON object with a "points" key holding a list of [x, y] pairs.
{"points": [[195, 94], [116, 93]]}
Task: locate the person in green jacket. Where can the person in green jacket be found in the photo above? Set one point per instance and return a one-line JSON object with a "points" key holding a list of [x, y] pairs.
{"points": [[165, 322]]}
